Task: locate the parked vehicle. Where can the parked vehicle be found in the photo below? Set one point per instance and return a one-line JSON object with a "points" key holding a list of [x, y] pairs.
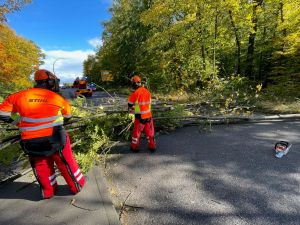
{"points": [[82, 88]]}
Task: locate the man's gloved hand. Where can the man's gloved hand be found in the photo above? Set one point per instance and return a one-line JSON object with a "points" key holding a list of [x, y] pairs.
{"points": [[131, 110]]}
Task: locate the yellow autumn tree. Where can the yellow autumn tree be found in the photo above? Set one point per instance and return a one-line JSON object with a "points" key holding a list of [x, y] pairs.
{"points": [[18, 59], [10, 6]]}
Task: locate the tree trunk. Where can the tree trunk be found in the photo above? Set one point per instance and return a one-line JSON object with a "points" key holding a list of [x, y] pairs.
{"points": [[261, 67], [283, 33], [238, 43], [215, 39], [251, 41]]}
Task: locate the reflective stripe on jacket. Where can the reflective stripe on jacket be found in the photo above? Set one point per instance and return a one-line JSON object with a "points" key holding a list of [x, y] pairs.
{"points": [[39, 111], [141, 99]]}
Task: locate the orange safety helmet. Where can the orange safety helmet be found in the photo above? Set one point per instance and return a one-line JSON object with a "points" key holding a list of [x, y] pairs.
{"points": [[44, 75], [136, 79], [52, 82]]}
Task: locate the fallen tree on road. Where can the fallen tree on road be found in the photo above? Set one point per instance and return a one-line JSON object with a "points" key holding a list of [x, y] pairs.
{"points": [[95, 130]]}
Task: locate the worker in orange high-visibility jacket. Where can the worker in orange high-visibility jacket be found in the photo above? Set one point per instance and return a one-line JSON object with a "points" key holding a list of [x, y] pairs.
{"points": [[40, 113], [139, 103]]}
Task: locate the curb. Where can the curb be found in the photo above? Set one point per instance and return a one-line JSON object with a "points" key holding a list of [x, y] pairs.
{"points": [[110, 210]]}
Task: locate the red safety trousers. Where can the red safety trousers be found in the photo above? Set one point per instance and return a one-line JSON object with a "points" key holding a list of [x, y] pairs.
{"points": [[148, 129], [43, 168]]}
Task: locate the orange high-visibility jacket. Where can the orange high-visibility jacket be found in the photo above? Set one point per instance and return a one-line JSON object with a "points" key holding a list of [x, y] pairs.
{"points": [[141, 100], [39, 110]]}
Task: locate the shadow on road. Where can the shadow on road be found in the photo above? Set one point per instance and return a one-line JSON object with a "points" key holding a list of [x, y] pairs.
{"points": [[227, 176], [28, 191]]}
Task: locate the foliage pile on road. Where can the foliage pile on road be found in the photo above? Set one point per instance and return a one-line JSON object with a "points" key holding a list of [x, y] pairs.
{"points": [[232, 95], [166, 121], [94, 132], [99, 133]]}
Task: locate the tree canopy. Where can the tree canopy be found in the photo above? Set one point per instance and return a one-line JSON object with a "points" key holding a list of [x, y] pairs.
{"points": [[19, 57], [10, 6], [190, 43]]}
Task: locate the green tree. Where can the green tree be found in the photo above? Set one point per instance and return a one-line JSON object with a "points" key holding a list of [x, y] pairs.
{"points": [[193, 43], [123, 38]]}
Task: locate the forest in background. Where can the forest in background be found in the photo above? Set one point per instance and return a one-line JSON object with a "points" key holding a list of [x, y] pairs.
{"points": [[200, 45], [191, 45]]}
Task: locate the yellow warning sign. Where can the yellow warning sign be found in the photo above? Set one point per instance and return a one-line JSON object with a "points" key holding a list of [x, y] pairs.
{"points": [[106, 75]]}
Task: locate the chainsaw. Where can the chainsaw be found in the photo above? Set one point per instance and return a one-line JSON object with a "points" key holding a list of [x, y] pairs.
{"points": [[282, 148]]}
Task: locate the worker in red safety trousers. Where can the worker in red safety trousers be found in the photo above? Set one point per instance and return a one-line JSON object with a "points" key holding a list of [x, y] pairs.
{"points": [[139, 103], [40, 113]]}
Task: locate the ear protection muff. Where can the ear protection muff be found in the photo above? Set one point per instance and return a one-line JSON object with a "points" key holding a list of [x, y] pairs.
{"points": [[50, 80], [53, 82]]}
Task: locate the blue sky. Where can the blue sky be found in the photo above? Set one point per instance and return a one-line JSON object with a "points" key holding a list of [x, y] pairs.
{"points": [[67, 31]]}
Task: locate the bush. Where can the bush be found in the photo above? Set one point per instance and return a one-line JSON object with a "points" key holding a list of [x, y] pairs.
{"points": [[229, 94]]}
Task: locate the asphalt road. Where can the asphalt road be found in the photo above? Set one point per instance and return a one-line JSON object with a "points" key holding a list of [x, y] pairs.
{"points": [[98, 97], [224, 177]]}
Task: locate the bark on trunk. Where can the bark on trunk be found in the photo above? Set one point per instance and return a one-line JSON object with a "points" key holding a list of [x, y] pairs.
{"points": [[251, 41], [238, 43]]}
